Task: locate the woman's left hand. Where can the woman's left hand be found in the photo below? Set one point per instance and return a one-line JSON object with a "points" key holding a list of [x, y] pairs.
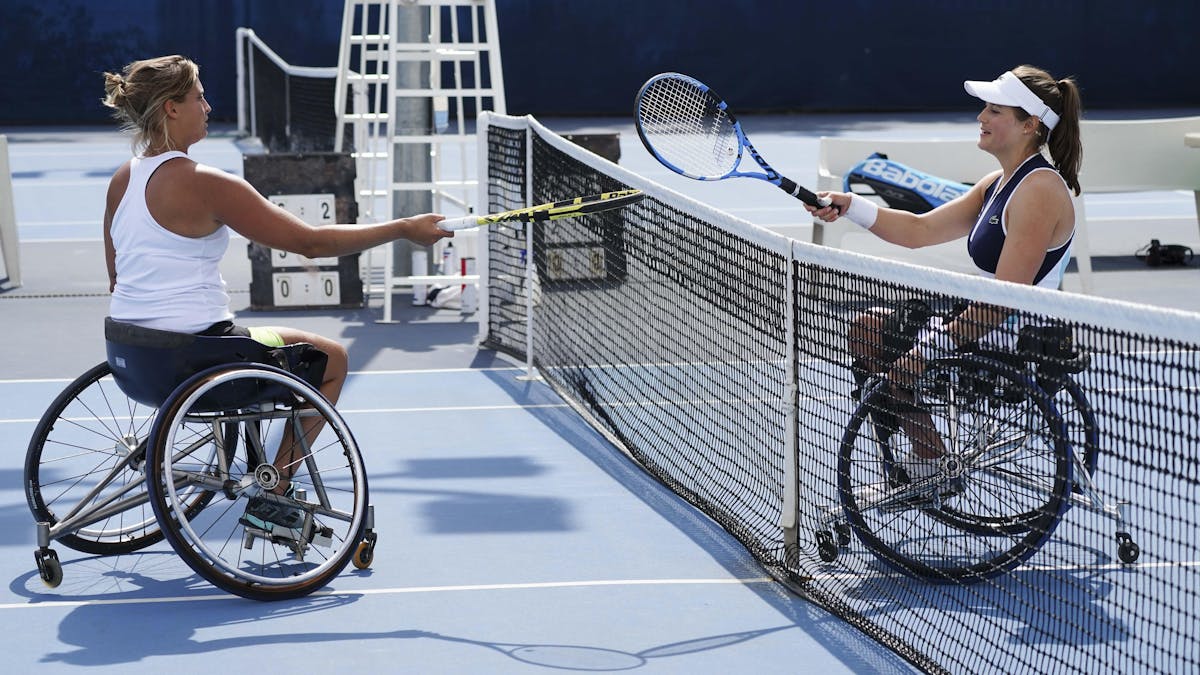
{"points": [[906, 369]]}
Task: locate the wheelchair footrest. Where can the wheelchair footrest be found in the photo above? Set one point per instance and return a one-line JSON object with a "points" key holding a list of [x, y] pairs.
{"points": [[297, 539]]}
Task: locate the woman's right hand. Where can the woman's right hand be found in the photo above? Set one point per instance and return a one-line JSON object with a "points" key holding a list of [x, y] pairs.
{"points": [[423, 229], [838, 203]]}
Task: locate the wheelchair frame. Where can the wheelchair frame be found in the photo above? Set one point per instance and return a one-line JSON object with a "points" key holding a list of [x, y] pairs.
{"points": [[1001, 420], [107, 473]]}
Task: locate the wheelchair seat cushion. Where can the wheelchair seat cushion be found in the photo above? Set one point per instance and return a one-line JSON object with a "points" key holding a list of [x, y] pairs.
{"points": [[148, 364]]}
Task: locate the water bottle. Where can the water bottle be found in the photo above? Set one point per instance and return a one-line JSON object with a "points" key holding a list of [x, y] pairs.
{"points": [[449, 261]]}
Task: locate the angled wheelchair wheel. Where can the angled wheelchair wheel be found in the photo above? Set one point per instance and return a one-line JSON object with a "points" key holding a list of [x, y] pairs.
{"points": [[999, 488], [1079, 424], [1078, 417], [84, 469], [237, 551]]}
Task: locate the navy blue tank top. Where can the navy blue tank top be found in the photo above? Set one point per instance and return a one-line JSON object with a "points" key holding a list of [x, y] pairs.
{"points": [[988, 236]]}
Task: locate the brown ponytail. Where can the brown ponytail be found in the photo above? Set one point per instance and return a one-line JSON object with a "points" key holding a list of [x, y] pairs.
{"points": [[1062, 96]]}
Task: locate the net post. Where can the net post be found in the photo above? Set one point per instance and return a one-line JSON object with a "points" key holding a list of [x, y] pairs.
{"points": [[482, 134], [8, 222], [389, 255], [343, 67], [788, 514], [530, 267], [240, 43]]}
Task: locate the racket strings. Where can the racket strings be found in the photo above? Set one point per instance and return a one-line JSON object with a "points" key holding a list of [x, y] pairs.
{"points": [[688, 127]]}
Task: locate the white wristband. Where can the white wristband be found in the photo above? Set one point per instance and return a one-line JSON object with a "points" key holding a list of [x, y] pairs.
{"points": [[861, 212], [935, 344]]}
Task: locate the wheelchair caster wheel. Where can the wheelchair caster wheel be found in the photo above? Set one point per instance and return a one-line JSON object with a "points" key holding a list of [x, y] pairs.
{"points": [[842, 530], [826, 547], [365, 553], [49, 568], [1128, 550]]}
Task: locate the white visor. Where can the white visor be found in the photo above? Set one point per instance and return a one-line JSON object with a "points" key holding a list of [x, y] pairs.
{"points": [[1008, 89]]}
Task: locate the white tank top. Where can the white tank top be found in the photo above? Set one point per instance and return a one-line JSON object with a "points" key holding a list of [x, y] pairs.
{"points": [[164, 280]]}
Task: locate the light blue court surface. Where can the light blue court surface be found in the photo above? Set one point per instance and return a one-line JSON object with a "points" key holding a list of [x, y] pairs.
{"points": [[513, 539]]}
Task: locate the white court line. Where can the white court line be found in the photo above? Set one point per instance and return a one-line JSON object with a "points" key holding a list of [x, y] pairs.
{"points": [[452, 408], [61, 240], [353, 373], [102, 151], [59, 223], [1150, 198], [1031, 568], [234, 237], [40, 183], [412, 589], [504, 406]]}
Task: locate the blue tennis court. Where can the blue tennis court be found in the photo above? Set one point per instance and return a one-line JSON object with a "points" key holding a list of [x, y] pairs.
{"points": [[512, 539]]}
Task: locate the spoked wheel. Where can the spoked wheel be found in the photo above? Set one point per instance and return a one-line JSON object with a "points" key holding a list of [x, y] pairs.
{"points": [[1079, 424], [1000, 484], [84, 467], [325, 508]]}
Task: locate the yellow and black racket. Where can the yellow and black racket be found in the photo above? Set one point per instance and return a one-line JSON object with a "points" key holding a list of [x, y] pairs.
{"points": [[567, 208]]}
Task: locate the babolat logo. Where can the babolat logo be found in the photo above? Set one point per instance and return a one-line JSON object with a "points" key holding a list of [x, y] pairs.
{"points": [[901, 176]]}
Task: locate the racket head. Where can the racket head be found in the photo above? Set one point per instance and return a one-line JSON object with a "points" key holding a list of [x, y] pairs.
{"points": [[567, 208], [687, 127]]}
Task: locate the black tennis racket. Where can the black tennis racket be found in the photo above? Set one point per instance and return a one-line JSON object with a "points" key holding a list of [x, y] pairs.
{"points": [[567, 208], [688, 128]]}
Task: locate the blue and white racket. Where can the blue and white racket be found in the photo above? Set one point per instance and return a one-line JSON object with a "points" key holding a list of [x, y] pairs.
{"points": [[688, 128]]}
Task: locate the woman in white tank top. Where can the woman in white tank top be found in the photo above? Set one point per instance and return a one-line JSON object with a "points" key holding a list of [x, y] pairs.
{"points": [[167, 219]]}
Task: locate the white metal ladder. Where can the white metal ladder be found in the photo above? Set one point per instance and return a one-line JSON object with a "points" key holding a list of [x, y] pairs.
{"points": [[458, 70]]}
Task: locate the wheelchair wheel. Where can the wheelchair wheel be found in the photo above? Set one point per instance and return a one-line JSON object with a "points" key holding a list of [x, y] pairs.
{"points": [[1079, 419], [239, 554], [83, 469], [1000, 487], [1079, 424]]}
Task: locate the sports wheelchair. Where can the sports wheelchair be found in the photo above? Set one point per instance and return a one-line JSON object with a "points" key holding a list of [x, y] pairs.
{"points": [[1020, 448], [173, 435]]}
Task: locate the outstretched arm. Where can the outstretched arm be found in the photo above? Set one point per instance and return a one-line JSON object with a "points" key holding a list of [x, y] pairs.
{"points": [[950, 221], [233, 201]]}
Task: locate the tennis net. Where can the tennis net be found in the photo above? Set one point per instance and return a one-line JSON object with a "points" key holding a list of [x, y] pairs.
{"points": [[1053, 526], [288, 108]]}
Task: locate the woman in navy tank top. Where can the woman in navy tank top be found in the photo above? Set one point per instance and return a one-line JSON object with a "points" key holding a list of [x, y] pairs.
{"points": [[1018, 221]]}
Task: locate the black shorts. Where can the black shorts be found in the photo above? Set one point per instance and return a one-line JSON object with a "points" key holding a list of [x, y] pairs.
{"points": [[223, 328], [266, 336]]}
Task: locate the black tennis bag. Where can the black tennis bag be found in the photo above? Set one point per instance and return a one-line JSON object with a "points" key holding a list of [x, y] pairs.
{"points": [[900, 186]]}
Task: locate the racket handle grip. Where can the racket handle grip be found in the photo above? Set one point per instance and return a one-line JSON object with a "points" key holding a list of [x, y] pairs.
{"points": [[802, 193], [452, 224]]}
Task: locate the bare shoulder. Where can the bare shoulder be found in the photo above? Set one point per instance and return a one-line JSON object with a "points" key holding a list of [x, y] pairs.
{"points": [[233, 201], [1042, 194], [1041, 207], [217, 181], [120, 180], [178, 169], [117, 185], [1044, 184]]}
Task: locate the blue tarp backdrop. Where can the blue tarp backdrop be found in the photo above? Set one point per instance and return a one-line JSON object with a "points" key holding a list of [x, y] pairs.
{"points": [[588, 57]]}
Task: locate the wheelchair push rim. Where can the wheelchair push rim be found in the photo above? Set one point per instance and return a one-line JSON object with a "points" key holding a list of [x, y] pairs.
{"points": [[218, 544]]}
